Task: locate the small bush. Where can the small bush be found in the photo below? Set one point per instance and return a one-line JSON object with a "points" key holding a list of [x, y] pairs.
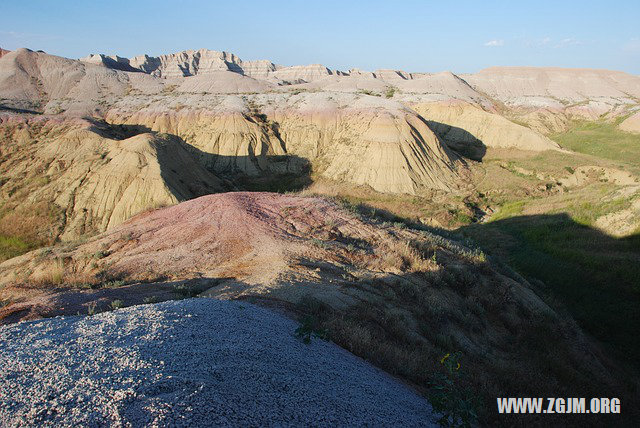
{"points": [[91, 308], [115, 283], [185, 291], [309, 327], [319, 243], [117, 304], [151, 299], [331, 223], [390, 92], [100, 254], [53, 274]]}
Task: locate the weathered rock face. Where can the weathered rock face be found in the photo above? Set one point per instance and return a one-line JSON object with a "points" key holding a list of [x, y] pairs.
{"points": [[45, 83], [390, 149], [358, 72], [187, 63], [578, 93], [110, 61], [227, 117], [260, 69], [302, 73], [461, 124], [392, 75], [223, 82], [543, 85], [355, 139], [97, 179], [3, 52]]}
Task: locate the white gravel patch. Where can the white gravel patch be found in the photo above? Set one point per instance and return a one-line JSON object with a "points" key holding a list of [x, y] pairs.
{"points": [[196, 362]]}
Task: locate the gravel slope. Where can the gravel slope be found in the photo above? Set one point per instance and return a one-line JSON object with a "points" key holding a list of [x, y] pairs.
{"points": [[195, 362]]}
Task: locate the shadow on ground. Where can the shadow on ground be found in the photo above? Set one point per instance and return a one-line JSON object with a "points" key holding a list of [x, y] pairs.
{"points": [[254, 172], [78, 301], [459, 140], [596, 277]]}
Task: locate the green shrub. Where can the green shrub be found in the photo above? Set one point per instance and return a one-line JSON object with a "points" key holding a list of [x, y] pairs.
{"points": [[309, 327], [455, 405]]}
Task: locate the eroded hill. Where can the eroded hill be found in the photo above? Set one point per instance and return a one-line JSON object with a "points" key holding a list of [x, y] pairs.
{"points": [[535, 164], [399, 297]]}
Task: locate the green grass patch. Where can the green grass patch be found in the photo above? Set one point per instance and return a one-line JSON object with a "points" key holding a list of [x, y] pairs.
{"points": [[587, 213], [509, 209], [11, 246], [601, 139]]}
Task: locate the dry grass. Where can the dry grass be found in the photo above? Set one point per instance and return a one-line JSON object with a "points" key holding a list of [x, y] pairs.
{"points": [[52, 274], [403, 255], [508, 350]]}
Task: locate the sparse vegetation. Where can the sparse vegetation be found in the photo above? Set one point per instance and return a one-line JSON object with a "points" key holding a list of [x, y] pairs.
{"points": [[592, 274], [456, 406], [309, 328], [186, 290], [368, 92], [390, 92], [117, 304], [100, 254], [509, 209], [151, 299], [91, 308], [12, 246], [26, 228], [319, 243], [52, 274]]}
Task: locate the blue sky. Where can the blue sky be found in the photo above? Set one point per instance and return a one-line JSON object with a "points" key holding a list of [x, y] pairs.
{"points": [[461, 36]]}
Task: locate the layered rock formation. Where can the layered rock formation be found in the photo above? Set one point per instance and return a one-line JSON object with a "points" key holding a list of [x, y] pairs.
{"points": [[302, 73], [231, 118], [516, 84], [465, 126], [98, 175], [46, 83], [391, 75], [354, 139], [187, 63]]}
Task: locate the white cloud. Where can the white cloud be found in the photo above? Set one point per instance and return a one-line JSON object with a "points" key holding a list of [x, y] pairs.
{"points": [[495, 43], [569, 41]]}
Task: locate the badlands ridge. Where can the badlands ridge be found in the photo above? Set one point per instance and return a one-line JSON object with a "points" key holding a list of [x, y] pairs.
{"points": [[116, 136], [143, 172]]}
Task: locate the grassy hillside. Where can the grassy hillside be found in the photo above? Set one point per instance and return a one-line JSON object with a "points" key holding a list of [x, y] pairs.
{"points": [[601, 139]]}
